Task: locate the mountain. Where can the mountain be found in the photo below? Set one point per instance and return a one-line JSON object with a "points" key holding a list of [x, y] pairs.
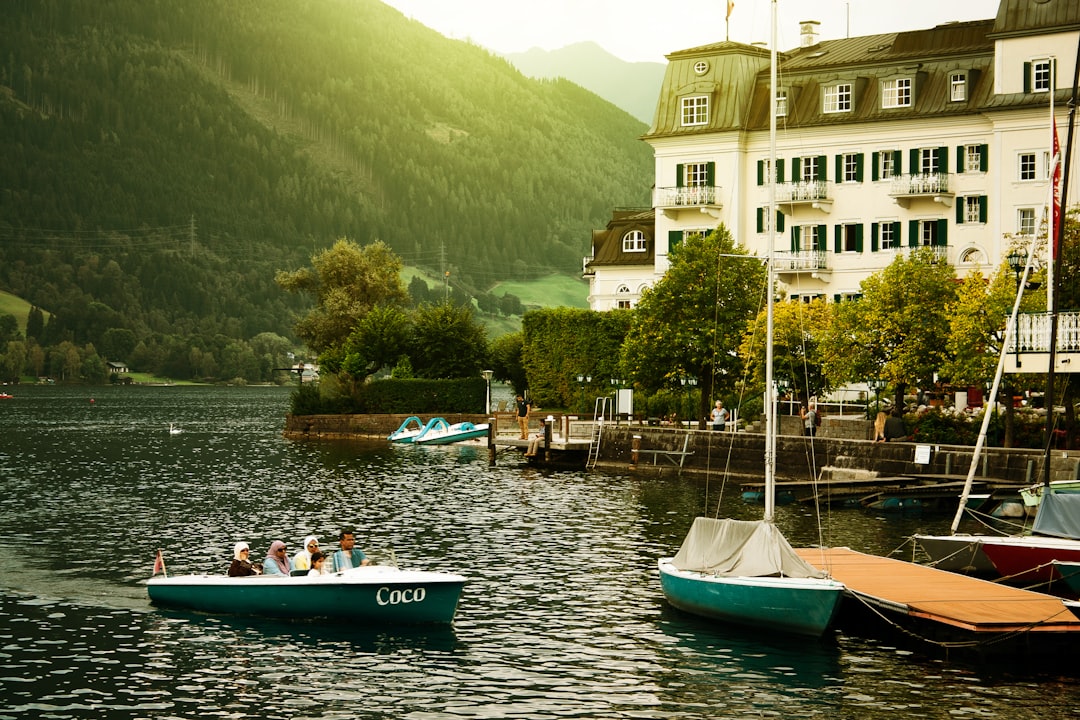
{"points": [[163, 158], [632, 86]]}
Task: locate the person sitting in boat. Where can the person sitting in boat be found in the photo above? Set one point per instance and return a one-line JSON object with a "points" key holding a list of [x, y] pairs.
{"points": [[241, 565], [348, 556], [301, 561], [318, 561], [276, 562]]}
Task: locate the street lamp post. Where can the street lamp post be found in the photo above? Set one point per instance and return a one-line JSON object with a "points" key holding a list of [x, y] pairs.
{"points": [[1017, 261], [487, 375], [877, 385], [583, 380]]}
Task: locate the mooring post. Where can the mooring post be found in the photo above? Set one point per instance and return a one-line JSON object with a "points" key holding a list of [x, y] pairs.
{"points": [[491, 442], [635, 446], [548, 422]]}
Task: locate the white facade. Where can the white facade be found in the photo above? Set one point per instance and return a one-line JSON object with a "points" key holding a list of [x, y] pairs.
{"points": [[939, 137]]}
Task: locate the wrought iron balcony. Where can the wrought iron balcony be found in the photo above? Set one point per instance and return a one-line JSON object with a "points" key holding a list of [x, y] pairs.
{"points": [[705, 198], [1029, 346], [800, 261], [935, 186]]}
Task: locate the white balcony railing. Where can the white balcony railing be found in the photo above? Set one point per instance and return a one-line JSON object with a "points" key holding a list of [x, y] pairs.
{"points": [[805, 191], [800, 260], [920, 184], [1034, 333], [700, 195]]}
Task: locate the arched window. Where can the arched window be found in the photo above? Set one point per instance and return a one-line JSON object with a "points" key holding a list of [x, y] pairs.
{"points": [[971, 256], [622, 297], [634, 241]]}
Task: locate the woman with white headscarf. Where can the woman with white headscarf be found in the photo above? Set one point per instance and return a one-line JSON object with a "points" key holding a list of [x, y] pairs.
{"points": [[276, 562], [302, 559], [241, 564]]}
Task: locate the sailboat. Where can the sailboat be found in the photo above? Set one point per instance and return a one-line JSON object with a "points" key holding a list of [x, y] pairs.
{"points": [[1055, 534], [746, 572]]}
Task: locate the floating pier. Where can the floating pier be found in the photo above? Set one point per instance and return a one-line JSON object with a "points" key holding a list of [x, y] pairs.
{"points": [[944, 608]]}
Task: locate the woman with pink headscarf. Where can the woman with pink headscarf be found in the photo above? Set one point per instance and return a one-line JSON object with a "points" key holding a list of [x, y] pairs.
{"points": [[276, 562]]}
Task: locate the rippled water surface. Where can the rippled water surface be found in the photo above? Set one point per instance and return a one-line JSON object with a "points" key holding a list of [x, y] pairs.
{"points": [[562, 617]]}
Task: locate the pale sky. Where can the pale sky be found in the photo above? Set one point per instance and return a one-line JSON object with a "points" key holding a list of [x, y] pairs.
{"points": [[647, 30]]}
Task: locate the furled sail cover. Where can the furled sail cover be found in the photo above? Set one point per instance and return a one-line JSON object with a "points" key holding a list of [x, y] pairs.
{"points": [[1058, 515], [744, 548]]}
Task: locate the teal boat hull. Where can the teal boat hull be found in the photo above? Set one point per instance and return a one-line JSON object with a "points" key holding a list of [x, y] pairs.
{"points": [[802, 606], [375, 595], [453, 434]]}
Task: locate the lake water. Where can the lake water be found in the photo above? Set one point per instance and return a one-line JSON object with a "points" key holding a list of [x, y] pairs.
{"points": [[562, 617]]}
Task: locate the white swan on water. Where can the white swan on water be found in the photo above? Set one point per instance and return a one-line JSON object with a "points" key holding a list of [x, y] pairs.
{"points": [[173, 430]]}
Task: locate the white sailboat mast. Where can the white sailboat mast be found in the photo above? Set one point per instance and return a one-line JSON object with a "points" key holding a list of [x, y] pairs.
{"points": [[770, 386]]}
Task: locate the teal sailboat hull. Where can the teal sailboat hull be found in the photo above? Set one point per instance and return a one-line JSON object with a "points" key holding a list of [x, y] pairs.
{"points": [[371, 594], [802, 606]]}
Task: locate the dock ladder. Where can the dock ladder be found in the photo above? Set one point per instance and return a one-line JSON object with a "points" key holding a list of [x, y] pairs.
{"points": [[600, 411]]}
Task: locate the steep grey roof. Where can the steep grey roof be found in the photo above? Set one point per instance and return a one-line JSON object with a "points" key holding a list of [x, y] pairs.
{"points": [[1025, 17]]}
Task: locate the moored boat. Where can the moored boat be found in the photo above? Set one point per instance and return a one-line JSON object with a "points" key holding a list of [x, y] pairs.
{"points": [[447, 434], [412, 428], [373, 594]]}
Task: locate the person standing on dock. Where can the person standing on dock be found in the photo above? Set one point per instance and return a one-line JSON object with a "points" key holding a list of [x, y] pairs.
{"points": [[719, 416], [523, 409]]}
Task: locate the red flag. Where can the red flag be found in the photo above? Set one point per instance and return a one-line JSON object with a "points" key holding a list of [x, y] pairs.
{"points": [[159, 565], [1057, 192], [730, 7]]}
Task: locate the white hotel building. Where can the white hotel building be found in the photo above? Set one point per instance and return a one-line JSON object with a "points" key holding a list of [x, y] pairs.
{"points": [[937, 137]]}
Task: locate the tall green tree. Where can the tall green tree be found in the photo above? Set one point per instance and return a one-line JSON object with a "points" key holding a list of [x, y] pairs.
{"points": [[899, 329], [798, 357], [346, 281], [447, 342], [692, 321]]}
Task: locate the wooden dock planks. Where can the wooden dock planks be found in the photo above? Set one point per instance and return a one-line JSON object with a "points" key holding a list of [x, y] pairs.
{"points": [[975, 605]]}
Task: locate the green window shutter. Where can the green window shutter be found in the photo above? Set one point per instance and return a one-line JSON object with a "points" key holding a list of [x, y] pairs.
{"points": [[761, 219], [914, 167], [873, 237], [839, 168], [822, 170], [896, 231], [960, 159], [897, 157], [796, 169], [858, 238], [942, 238], [836, 298], [674, 238], [874, 166], [823, 237], [779, 221], [859, 167], [913, 233], [1027, 77], [838, 234], [982, 212], [795, 238], [760, 172], [959, 211], [779, 170], [679, 175], [943, 159], [984, 157], [710, 174]]}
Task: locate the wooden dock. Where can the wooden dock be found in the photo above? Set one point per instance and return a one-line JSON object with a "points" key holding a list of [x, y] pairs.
{"points": [[947, 608]]}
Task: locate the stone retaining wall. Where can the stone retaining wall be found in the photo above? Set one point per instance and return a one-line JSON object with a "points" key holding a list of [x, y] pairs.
{"points": [[842, 448]]}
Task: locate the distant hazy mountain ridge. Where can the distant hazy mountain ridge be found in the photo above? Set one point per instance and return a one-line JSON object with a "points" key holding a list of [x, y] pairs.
{"points": [[632, 86]]}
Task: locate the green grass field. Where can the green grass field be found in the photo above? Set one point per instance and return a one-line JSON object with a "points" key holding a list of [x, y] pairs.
{"points": [[12, 305]]}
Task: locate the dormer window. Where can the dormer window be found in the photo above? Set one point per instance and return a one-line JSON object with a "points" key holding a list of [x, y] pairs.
{"points": [[695, 110], [781, 103], [896, 93], [837, 98], [957, 87], [1038, 75], [634, 241]]}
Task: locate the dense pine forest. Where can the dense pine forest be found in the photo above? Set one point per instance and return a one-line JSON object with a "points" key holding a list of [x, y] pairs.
{"points": [[162, 159]]}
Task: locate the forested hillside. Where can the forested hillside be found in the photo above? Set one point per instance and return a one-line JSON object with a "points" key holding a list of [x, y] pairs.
{"points": [[162, 159]]}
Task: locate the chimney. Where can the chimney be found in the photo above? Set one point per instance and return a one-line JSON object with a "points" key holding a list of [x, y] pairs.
{"points": [[808, 29]]}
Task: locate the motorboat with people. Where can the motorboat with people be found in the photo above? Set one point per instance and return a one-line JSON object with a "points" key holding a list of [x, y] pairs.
{"points": [[375, 594]]}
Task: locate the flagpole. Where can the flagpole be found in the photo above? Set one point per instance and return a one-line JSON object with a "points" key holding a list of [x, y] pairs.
{"points": [[1050, 236]]}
